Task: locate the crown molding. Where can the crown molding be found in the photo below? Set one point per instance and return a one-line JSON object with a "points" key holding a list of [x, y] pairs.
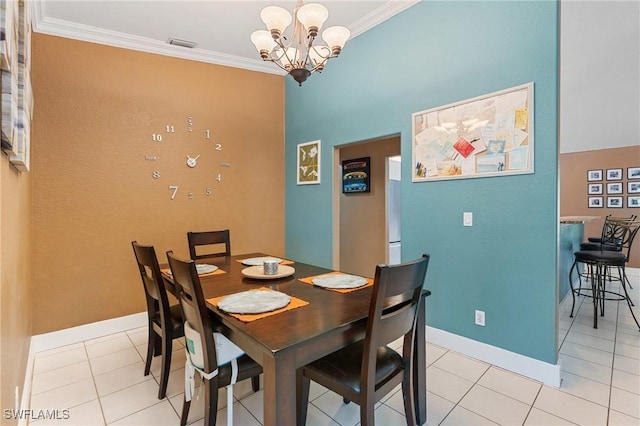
{"points": [[57, 27]]}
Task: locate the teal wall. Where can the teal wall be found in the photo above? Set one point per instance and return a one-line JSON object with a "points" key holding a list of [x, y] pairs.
{"points": [[433, 54]]}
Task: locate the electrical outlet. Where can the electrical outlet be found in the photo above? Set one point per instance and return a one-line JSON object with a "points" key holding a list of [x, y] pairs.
{"points": [[480, 318]]}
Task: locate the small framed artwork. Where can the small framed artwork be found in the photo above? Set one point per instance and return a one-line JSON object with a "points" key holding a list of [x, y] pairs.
{"points": [[633, 172], [614, 202], [633, 187], [355, 175], [614, 188], [614, 174], [596, 202], [308, 170], [594, 175], [633, 201], [594, 188]]}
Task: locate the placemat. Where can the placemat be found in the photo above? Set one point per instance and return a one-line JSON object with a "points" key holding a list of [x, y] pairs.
{"points": [[309, 280], [216, 272], [295, 303], [284, 261]]}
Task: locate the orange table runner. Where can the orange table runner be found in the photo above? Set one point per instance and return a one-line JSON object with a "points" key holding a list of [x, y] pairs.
{"points": [[309, 280], [293, 304]]}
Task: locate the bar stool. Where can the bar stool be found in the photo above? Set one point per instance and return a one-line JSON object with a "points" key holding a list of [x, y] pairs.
{"points": [[598, 262]]}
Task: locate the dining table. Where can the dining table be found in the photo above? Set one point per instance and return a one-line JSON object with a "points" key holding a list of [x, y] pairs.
{"points": [[284, 341]]}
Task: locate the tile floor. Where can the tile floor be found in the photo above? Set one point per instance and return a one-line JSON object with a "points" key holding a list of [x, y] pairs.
{"points": [[100, 382]]}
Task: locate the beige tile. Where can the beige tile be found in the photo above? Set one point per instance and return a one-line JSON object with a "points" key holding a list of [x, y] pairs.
{"points": [[331, 404], [55, 351], [584, 388], [87, 414], [114, 360], [628, 365], [178, 358], [437, 408], [67, 396], [241, 416], [318, 418], [62, 376], [586, 369], [461, 366], [626, 381], [109, 344], [254, 402], [629, 339], [591, 341], [629, 351], [495, 406], [434, 352], [59, 359], [460, 416], [511, 384], [121, 378], [618, 419], [588, 354], [569, 407], [447, 385], [590, 331], [625, 402], [125, 402], [540, 418], [159, 414]]}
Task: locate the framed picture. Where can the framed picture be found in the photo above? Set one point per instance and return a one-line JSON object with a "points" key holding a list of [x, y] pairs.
{"points": [[356, 175], [614, 188], [633, 172], [614, 202], [596, 202], [633, 201], [486, 136], [633, 187], [614, 174], [594, 175], [594, 188], [308, 170]]}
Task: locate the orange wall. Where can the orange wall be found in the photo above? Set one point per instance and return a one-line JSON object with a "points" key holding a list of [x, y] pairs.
{"points": [[363, 237], [573, 187], [15, 263], [96, 109]]}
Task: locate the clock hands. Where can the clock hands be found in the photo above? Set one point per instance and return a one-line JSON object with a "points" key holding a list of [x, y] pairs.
{"points": [[192, 161]]}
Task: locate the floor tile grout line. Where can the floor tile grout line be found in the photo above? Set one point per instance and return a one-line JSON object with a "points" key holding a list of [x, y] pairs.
{"points": [[95, 386]]}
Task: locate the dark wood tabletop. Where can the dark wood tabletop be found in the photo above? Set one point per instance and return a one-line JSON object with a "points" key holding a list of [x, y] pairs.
{"points": [[285, 341]]}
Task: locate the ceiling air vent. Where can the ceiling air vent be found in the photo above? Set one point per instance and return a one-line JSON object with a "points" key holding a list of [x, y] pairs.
{"points": [[183, 43]]}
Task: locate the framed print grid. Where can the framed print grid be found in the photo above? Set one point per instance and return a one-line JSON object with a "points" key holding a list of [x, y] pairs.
{"points": [[633, 187], [633, 172], [633, 201], [594, 175], [614, 188]]}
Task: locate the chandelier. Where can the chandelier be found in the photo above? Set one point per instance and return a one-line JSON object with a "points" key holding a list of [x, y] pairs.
{"points": [[298, 56]]}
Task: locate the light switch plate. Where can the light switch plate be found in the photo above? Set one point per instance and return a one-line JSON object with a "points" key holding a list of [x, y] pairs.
{"points": [[467, 219]]}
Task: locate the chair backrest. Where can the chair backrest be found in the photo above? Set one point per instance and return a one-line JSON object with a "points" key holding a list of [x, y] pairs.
{"points": [[630, 231], [613, 231], [397, 291], [209, 238], [194, 311], [153, 283]]}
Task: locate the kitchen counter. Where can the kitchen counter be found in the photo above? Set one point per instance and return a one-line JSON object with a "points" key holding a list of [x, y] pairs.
{"points": [[578, 219]]}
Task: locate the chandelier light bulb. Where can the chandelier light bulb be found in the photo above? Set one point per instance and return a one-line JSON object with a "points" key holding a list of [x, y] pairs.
{"points": [[312, 16], [276, 19], [336, 37], [263, 41]]}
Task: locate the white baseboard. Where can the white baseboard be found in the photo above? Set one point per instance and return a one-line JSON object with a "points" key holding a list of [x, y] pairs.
{"points": [[549, 374], [69, 336]]}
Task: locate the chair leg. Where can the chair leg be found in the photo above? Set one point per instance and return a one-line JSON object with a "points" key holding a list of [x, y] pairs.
{"points": [[409, 400], [594, 294], [573, 294], [367, 414], [255, 383], [210, 401], [185, 412], [151, 344], [302, 397], [166, 365]]}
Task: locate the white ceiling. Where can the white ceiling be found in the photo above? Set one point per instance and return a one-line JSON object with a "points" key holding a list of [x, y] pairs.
{"points": [[221, 28]]}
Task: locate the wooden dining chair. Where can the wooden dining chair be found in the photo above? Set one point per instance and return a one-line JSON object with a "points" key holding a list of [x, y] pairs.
{"points": [[164, 321], [209, 238], [366, 371], [218, 360]]}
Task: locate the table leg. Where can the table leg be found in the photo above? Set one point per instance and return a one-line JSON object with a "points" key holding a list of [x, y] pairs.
{"points": [[279, 390]]}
